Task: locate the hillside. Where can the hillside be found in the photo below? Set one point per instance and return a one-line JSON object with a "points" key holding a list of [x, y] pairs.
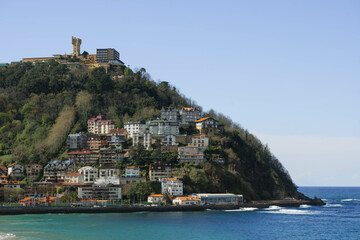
{"points": [[41, 104]]}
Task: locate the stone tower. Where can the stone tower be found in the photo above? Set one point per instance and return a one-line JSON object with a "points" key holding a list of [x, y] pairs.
{"points": [[76, 42]]}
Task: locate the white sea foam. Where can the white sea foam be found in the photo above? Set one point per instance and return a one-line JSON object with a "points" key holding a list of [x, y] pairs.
{"points": [[246, 209], [6, 236], [304, 206], [273, 207], [292, 211], [333, 205], [350, 200]]}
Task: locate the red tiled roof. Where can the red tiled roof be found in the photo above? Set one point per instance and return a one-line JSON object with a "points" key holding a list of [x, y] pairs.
{"points": [[131, 167], [3, 176], [172, 179], [199, 136], [205, 118], [156, 195], [12, 164], [26, 199], [187, 199]]}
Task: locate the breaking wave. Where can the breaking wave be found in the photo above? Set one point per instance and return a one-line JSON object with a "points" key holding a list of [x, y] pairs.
{"points": [[350, 200], [246, 209], [305, 206], [272, 207], [7, 236], [291, 211], [332, 205]]}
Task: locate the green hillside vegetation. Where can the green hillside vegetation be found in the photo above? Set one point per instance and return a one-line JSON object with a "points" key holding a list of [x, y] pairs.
{"points": [[41, 104]]}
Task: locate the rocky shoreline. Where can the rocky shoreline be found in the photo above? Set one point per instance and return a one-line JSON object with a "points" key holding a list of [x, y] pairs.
{"points": [[130, 209]]}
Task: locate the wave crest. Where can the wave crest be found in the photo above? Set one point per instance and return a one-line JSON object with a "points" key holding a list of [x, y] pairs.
{"points": [[245, 209], [7, 236]]}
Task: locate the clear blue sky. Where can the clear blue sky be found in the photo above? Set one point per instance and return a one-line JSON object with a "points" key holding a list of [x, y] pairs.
{"points": [[286, 70]]}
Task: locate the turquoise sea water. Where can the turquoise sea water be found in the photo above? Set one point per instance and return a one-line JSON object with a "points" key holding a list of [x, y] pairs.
{"points": [[339, 219]]}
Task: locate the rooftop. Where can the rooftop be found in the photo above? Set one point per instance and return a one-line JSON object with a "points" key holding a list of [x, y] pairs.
{"points": [[205, 118], [156, 195]]}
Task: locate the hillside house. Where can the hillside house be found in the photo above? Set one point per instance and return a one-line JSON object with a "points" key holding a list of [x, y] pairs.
{"points": [[163, 127], [117, 137], [73, 178], [172, 186], [191, 154], [108, 175], [16, 170], [207, 125], [110, 155], [95, 142], [90, 174], [100, 125], [170, 114], [132, 171], [134, 127], [189, 115], [159, 170], [200, 141], [33, 170], [156, 199], [84, 156], [76, 141]]}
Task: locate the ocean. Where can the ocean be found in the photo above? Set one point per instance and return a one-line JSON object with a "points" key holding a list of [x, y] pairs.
{"points": [[338, 219]]}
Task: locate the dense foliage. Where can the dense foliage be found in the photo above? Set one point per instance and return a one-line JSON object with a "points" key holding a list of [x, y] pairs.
{"points": [[41, 104]]}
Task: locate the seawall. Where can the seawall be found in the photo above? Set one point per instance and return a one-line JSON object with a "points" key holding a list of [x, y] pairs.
{"points": [[130, 209]]}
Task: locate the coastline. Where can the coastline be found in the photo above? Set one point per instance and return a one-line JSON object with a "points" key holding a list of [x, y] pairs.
{"points": [[130, 209]]}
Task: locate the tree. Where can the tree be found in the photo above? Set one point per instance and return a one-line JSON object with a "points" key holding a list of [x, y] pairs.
{"points": [[69, 197], [99, 81]]}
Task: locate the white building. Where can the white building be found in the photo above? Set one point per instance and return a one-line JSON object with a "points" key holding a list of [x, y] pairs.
{"points": [[156, 198], [219, 198], [99, 125], [189, 114], [100, 192], [90, 174], [74, 178], [142, 138], [169, 140], [132, 171], [15, 170], [135, 127], [200, 141], [183, 201], [171, 186], [108, 175], [163, 127]]}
